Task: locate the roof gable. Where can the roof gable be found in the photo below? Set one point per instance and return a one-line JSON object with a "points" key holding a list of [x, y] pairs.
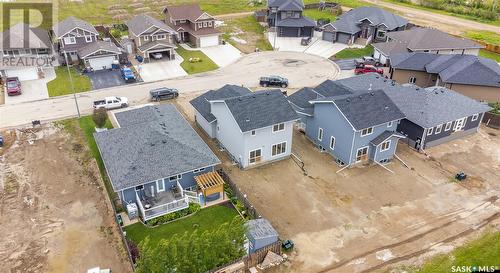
{"points": [[142, 23], [14, 37], [69, 24]]}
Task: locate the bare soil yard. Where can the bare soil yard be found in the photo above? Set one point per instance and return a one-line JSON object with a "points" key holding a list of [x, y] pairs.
{"points": [[365, 219], [54, 212]]}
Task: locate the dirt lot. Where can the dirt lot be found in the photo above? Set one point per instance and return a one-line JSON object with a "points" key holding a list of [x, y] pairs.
{"points": [[365, 218], [54, 213]]}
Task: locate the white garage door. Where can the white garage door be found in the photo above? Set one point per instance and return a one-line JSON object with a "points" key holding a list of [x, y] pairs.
{"points": [[101, 63], [24, 74], [209, 41]]}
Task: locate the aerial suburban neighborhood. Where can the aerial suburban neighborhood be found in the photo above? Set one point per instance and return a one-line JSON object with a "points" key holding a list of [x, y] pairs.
{"points": [[231, 136]]}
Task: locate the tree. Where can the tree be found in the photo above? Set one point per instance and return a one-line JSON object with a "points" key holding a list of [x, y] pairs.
{"points": [[195, 252], [99, 117]]}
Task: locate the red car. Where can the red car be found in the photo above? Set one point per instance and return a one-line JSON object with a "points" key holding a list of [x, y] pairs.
{"points": [[13, 86], [368, 69]]}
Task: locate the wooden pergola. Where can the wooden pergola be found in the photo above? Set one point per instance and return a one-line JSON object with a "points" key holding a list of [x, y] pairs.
{"points": [[210, 183]]}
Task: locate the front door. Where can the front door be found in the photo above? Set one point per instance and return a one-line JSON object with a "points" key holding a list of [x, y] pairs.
{"points": [[362, 154], [255, 156]]}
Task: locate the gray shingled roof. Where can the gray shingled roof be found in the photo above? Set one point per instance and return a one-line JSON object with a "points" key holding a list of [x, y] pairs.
{"points": [[69, 24], [300, 100], [392, 47], [349, 21], [153, 142], [260, 229], [260, 109], [366, 108], [284, 3], [431, 39], [425, 107], [452, 68], [155, 43], [202, 104], [143, 22], [296, 22], [97, 46], [385, 136], [13, 37]]}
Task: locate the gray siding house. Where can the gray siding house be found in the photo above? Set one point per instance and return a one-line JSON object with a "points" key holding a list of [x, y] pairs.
{"points": [[79, 41], [367, 23], [154, 158], [254, 127], [352, 127], [434, 115], [287, 17]]}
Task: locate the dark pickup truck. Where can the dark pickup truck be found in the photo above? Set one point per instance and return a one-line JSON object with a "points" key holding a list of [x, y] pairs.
{"points": [[273, 81]]}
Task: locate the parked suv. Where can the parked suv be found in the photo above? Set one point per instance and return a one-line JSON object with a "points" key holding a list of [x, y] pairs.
{"points": [[368, 69], [273, 81], [366, 60], [13, 86], [163, 93]]}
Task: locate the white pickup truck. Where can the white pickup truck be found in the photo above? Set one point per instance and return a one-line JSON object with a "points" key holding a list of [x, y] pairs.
{"points": [[111, 103]]}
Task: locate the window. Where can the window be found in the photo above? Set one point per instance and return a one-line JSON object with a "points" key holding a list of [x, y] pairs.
{"points": [[278, 127], [69, 40], [161, 37], [385, 146], [367, 131], [146, 38], [438, 129], [362, 154], [279, 148], [140, 187], [88, 39], [475, 117], [448, 126], [198, 170], [199, 25], [205, 24], [255, 156], [429, 131], [159, 185], [175, 177], [389, 124], [332, 142], [459, 124], [210, 23], [412, 80], [253, 132], [380, 34], [320, 134]]}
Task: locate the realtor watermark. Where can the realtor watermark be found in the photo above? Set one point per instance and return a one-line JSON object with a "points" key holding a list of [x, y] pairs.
{"points": [[475, 268], [25, 41]]}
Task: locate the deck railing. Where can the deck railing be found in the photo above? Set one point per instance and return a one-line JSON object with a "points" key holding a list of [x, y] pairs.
{"points": [[163, 209], [192, 196]]}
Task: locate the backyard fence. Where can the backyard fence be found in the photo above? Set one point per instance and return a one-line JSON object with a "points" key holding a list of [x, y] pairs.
{"points": [[322, 6], [491, 120], [237, 192]]}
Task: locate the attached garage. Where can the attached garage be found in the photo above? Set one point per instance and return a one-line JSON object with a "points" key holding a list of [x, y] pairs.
{"points": [[24, 74], [343, 37], [329, 36], [101, 63], [209, 41], [289, 32]]}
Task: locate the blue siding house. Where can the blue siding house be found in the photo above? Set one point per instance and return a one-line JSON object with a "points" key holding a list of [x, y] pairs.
{"points": [[153, 160], [353, 128], [253, 127]]}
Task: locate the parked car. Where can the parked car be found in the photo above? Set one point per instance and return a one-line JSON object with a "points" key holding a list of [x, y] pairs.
{"points": [[13, 86], [111, 103], [273, 81], [163, 93], [128, 74], [368, 69], [366, 60], [305, 41], [157, 55]]}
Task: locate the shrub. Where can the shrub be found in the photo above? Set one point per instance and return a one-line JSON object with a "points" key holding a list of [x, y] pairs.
{"points": [[193, 207], [134, 250], [99, 117]]}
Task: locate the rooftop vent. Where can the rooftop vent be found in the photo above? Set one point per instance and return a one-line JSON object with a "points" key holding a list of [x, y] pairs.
{"points": [[348, 100], [371, 93], [386, 107], [247, 120], [370, 88], [164, 141]]}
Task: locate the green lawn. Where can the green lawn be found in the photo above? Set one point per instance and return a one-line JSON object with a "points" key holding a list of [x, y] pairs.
{"points": [[481, 252], [61, 84], [206, 64], [252, 33], [485, 36], [207, 219], [350, 53], [318, 14], [490, 55]]}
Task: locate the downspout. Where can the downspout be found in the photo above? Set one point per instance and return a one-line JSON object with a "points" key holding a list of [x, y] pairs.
{"points": [[423, 140], [352, 147]]}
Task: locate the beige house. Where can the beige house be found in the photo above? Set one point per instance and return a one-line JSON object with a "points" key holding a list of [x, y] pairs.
{"points": [[151, 37], [475, 77]]}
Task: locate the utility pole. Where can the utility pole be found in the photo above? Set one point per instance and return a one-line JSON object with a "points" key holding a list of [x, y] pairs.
{"points": [[71, 83]]}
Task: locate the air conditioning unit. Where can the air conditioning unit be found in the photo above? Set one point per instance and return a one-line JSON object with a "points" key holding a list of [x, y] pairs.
{"points": [[132, 211]]}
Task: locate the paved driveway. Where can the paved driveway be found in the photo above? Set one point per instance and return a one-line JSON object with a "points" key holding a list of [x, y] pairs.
{"points": [[301, 69], [33, 90], [161, 69], [105, 78], [222, 55], [346, 64], [317, 46]]}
